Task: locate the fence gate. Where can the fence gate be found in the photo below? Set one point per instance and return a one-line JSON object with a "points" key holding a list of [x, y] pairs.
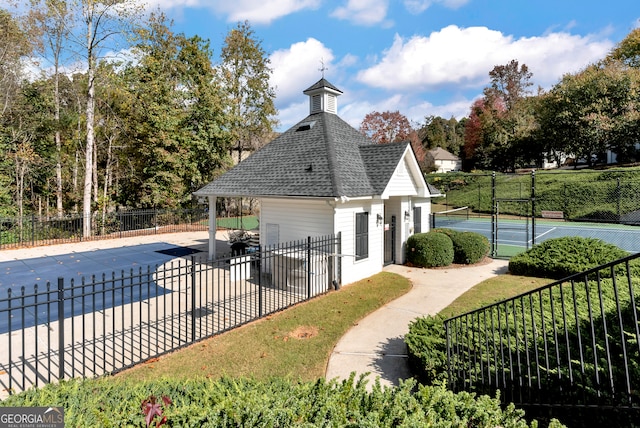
{"points": [[510, 233]]}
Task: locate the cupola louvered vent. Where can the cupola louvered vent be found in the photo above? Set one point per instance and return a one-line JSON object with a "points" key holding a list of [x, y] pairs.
{"points": [[331, 104], [323, 97], [316, 103]]}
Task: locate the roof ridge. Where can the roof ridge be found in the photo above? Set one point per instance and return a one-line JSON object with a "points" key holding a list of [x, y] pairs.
{"points": [[332, 158]]}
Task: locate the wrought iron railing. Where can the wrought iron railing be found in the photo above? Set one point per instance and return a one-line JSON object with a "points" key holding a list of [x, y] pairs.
{"points": [[40, 230], [575, 342], [106, 323]]}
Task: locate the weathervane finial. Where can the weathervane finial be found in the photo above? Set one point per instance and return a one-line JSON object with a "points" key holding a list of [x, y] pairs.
{"points": [[323, 68]]}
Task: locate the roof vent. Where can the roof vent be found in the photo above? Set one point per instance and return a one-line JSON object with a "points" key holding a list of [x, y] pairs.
{"points": [[305, 126]]}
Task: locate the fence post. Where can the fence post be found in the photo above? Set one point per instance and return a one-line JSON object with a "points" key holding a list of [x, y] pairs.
{"points": [[33, 229], [193, 298], [339, 258], [493, 215], [533, 208], [308, 267], [258, 261], [618, 196], [61, 328]]}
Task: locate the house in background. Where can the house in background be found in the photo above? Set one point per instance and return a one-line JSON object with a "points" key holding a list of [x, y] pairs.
{"points": [[445, 161], [323, 177]]}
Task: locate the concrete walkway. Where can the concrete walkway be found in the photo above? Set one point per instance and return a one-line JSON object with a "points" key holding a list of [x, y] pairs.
{"points": [[376, 344]]}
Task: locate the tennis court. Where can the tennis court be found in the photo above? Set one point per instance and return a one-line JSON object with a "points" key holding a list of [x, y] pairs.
{"points": [[516, 235]]}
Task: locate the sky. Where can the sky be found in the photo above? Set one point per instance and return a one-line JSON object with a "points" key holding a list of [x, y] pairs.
{"points": [[418, 57]]}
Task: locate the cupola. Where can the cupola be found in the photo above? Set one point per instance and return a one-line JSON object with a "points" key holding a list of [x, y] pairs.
{"points": [[323, 97]]}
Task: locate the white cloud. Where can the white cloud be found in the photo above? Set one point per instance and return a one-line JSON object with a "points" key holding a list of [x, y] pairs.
{"points": [[256, 11], [418, 6], [414, 109], [364, 12], [298, 65], [463, 57]]}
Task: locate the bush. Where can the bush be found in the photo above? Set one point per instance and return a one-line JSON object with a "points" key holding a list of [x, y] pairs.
{"points": [[427, 349], [278, 403], [431, 249], [561, 257], [468, 247]]}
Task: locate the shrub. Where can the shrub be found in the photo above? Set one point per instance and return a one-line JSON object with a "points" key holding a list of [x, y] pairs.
{"points": [[468, 247], [427, 349], [278, 403], [561, 257], [431, 249]]}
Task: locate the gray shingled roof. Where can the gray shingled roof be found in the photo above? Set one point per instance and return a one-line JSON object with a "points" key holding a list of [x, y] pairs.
{"points": [[322, 83], [321, 156], [441, 154]]}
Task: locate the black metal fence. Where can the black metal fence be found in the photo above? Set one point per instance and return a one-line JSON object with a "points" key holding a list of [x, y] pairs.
{"points": [[606, 196], [517, 211], [573, 343], [40, 230], [105, 324]]}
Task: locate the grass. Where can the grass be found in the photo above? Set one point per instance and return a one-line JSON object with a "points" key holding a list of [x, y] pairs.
{"points": [[492, 290], [295, 343], [248, 222]]}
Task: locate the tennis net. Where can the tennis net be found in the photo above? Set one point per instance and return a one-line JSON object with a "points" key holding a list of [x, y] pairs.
{"points": [[450, 217]]}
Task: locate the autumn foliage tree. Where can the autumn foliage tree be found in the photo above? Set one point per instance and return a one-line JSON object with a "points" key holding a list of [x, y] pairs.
{"points": [[386, 127], [501, 123], [393, 127]]}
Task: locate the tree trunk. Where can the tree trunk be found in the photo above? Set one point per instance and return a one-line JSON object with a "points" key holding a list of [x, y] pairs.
{"points": [[88, 175]]}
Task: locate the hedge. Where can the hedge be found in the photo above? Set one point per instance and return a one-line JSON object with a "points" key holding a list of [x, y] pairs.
{"points": [[279, 403], [468, 247], [561, 257]]}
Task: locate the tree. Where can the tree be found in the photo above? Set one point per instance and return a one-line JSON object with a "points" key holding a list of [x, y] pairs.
{"points": [[103, 20], [446, 133], [244, 72], [509, 83], [50, 18], [177, 112], [386, 127], [592, 111], [628, 50], [13, 46], [501, 126]]}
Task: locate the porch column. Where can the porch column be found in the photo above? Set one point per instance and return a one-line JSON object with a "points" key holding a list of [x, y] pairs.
{"points": [[212, 227]]}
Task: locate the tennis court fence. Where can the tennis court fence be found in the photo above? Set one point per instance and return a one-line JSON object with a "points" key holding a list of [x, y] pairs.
{"points": [[598, 204]]}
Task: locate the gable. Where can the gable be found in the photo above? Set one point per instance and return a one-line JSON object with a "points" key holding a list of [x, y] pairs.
{"points": [[402, 182]]}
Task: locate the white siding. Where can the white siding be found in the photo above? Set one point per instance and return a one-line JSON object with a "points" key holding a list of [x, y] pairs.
{"points": [[353, 270], [425, 221], [448, 165], [297, 218], [402, 182]]}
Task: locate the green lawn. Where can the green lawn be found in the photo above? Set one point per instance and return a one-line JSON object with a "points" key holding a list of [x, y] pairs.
{"points": [[295, 343], [249, 222]]}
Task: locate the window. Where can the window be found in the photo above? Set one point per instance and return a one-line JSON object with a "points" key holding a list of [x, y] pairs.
{"points": [[417, 219], [362, 236]]}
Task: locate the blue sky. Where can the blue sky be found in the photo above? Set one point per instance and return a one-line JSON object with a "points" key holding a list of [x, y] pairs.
{"points": [[421, 57]]}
